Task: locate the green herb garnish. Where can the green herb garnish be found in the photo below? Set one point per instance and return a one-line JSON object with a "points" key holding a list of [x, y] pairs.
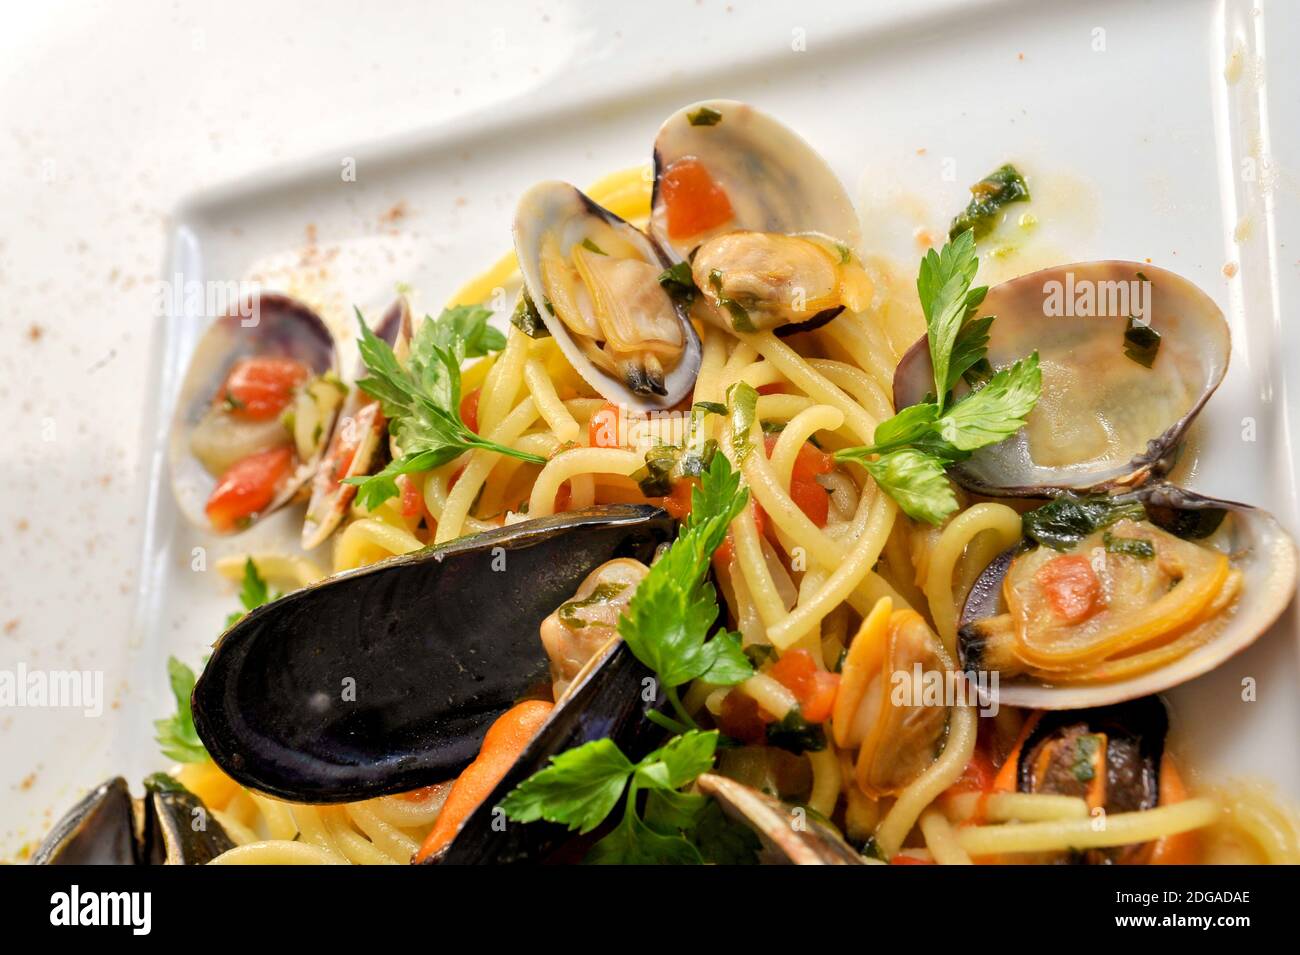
{"points": [[1062, 523], [253, 593], [704, 116], [1128, 546], [422, 400], [1141, 342], [679, 283], [911, 451], [176, 734], [528, 320], [1001, 187], [1085, 748], [666, 626], [593, 247]]}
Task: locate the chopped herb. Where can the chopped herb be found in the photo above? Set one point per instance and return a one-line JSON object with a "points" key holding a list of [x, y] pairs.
{"points": [[603, 594], [593, 247], [1001, 187], [656, 478], [1128, 546], [528, 320], [711, 407], [761, 654], [1141, 342], [679, 283], [1085, 748], [704, 116], [233, 403], [796, 735], [1062, 523], [743, 402], [253, 593], [740, 320], [772, 427]]}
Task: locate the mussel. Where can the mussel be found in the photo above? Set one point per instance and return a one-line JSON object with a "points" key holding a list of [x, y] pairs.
{"points": [[1113, 758], [1166, 587], [254, 414], [169, 825], [768, 230], [385, 679], [358, 442], [1129, 353], [594, 281]]}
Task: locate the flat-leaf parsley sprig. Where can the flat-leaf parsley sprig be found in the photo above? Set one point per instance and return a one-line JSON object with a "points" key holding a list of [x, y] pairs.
{"points": [[911, 452], [666, 627], [422, 400]]}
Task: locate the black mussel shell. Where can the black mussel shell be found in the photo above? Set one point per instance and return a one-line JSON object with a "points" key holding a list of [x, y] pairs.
{"points": [[386, 679]]}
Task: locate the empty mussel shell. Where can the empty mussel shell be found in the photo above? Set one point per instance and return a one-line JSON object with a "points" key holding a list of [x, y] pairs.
{"points": [[386, 678]]}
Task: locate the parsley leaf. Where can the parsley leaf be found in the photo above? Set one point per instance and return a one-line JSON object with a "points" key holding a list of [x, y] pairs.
{"points": [[176, 734], [668, 619], [422, 401], [253, 593], [579, 788], [997, 410], [1002, 186], [911, 451], [917, 482]]}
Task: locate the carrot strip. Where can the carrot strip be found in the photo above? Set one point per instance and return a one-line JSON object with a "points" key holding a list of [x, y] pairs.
{"points": [[507, 738]]}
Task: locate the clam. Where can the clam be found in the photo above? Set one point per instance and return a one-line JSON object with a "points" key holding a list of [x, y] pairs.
{"points": [[386, 679], [357, 444], [790, 835], [768, 229], [262, 451], [1168, 586], [594, 282], [1116, 400], [169, 825], [883, 709]]}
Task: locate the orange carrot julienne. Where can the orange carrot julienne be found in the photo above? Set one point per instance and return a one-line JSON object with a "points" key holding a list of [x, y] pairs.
{"points": [[505, 741]]}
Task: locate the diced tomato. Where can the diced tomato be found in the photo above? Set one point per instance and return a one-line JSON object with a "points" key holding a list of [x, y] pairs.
{"points": [[741, 718], [260, 388], [678, 502], [602, 430], [902, 859], [248, 487], [1071, 587], [812, 686], [811, 497], [727, 549], [977, 777], [412, 496], [776, 388], [346, 441], [469, 409], [695, 203], [451, 482], [563, 496]]}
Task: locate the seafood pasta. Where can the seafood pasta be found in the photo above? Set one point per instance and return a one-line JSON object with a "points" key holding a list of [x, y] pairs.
{"points": [[718, 551]]}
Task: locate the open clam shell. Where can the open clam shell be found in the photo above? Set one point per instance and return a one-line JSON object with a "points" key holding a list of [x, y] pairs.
{"points": [[357, 444], [791, 835], [774, 180], [1256, 546], [1104, 419], [280, 327], [386, 679], [593, 279]]}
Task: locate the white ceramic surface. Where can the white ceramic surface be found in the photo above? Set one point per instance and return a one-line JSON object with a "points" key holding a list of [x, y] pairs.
{"points": [[1168, 131]]}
